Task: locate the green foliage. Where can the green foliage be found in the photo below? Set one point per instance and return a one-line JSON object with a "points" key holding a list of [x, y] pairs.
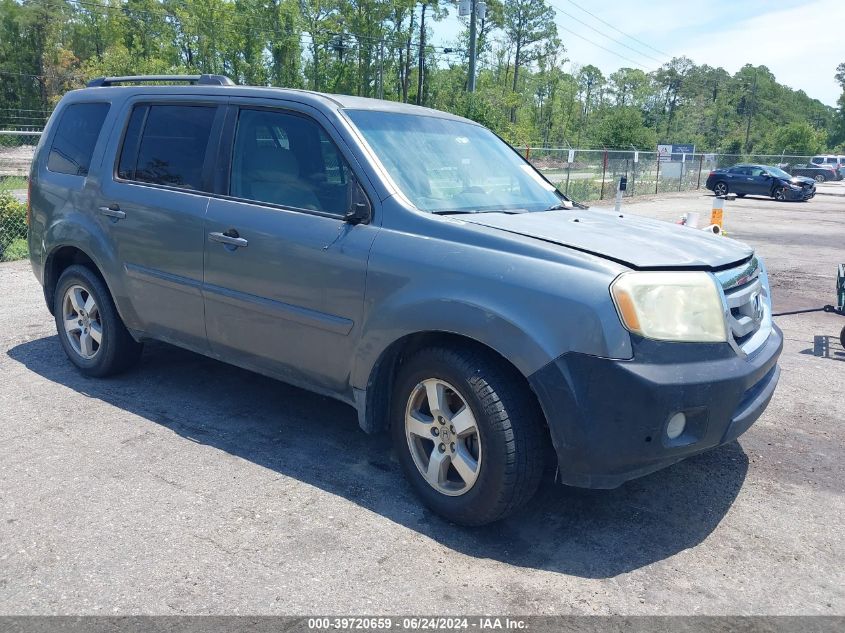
{"points": [[18, 249], [12, 227], [383, 48], [799, 138], [10, 183], [623, 127]]}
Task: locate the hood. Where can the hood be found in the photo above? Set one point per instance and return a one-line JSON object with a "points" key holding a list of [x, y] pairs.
{"points": [[632, 240], [802, 180]]}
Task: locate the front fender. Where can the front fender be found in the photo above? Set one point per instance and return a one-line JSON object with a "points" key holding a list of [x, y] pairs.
{"points": [[399, 318]]}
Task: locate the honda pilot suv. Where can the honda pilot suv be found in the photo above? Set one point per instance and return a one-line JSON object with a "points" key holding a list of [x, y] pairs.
{"points": [[407, 262]]}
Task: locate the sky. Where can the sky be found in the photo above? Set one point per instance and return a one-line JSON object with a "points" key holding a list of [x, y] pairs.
{"points": [[801, 41]]}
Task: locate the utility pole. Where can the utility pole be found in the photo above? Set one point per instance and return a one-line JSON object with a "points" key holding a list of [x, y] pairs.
{"points": [[751, 113], [421, 64], [472, 38], [381, 69]]}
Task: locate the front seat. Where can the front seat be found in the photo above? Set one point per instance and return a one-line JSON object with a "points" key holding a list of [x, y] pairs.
{"points": [[271, 174]]}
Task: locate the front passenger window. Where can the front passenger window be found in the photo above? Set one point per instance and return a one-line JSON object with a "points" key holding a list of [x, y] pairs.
{"points": [[286, 159]]}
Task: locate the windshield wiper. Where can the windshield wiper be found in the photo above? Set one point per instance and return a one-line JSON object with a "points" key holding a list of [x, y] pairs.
{"points": [[476, 211]]}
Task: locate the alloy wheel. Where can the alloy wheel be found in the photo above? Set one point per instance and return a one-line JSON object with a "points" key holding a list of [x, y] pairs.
{"points": [[443, 437], [81, 318], [720, 189]]}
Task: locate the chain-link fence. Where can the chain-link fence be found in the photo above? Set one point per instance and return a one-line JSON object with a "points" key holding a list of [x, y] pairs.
{"points": [[589, 175], [16, 149], [585, 175]]}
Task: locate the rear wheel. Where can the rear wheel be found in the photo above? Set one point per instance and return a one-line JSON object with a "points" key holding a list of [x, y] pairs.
{"points": [[720, 188], [467, 433], [842, 337], [820, 178], [90, 330]]}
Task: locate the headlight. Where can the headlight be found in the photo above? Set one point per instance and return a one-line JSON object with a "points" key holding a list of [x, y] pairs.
{"points": [[671, 306]]}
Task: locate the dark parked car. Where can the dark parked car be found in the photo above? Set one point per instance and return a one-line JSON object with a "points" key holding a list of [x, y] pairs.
{"points": [[819, 173], [760, 180], [470, 314]]}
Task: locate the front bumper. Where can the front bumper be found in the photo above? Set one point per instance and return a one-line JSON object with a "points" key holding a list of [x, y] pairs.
{"points": [[608, 417], [805, 193]]}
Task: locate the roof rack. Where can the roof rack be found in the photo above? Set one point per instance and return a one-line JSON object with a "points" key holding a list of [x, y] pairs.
{"points": [[200, 80]]}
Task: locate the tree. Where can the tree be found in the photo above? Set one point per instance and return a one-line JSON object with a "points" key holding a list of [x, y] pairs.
{"points": [[838, 135], [623, 127], [797, 139], [527, 23], [629, 86]]}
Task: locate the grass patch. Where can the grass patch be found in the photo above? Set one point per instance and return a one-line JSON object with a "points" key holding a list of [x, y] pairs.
{"points": [[18, 249], [10, 183]]}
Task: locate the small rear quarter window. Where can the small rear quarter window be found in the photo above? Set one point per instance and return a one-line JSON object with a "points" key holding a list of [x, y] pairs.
{"points": [[76, 135]]}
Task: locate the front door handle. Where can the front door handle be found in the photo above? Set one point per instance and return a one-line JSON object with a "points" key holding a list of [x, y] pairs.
{"points": [[229, 238], [113, 211]]}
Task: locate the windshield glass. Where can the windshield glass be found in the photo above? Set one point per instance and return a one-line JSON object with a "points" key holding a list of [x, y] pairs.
{"points": [[443, 165], [778, 173]]}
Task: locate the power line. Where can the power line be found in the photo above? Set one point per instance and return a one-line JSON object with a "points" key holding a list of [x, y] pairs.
{"points": [[612, 52], [656, 50], [603, 34]]}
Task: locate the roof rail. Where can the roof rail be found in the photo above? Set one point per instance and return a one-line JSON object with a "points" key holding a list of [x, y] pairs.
{"points": [[201, 80]]}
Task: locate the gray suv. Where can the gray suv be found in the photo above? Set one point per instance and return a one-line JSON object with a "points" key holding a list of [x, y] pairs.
{"points": [[407, 262]]}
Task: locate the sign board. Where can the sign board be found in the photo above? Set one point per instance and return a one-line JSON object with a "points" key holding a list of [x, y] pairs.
{"points": [[571, 158], [636, 157], [666, 153]]}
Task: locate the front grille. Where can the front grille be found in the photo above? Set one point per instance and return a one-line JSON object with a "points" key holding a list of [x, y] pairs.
{"points": [[747, 305]]}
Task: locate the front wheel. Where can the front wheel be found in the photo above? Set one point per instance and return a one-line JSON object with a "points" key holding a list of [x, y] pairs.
{"points": [[90, 329], [468, 434]]}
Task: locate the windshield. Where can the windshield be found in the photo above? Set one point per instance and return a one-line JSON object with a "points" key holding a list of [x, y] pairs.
{"points": [[778, 173], [445, 166]]}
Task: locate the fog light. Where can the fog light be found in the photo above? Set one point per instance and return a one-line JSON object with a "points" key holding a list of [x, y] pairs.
{"points": [[676, 426]]}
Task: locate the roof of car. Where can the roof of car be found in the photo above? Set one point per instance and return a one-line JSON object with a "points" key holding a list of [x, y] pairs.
{"points": [[317, 99]]}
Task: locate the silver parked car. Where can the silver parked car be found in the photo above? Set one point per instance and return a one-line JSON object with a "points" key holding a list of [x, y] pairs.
{"points": [[407, 262]]}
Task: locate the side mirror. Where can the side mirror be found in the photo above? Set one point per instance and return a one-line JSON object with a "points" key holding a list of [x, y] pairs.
{"points": [[359, 210]]}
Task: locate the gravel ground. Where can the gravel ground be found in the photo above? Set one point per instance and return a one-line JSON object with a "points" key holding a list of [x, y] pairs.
{"points": [[188, 486]]}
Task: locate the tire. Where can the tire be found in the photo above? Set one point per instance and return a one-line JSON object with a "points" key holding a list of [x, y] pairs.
{"points": [[80, 288], [508, 446], [720, 188], [779, 194], [820, 178], [842, 338]]}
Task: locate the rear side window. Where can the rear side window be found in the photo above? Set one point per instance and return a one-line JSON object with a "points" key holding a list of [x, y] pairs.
{"points": [[76, 135], [166, 145]]}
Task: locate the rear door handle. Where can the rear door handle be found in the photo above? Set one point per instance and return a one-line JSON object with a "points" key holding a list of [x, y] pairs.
{"points": [[113, 211], [229, 238]]}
